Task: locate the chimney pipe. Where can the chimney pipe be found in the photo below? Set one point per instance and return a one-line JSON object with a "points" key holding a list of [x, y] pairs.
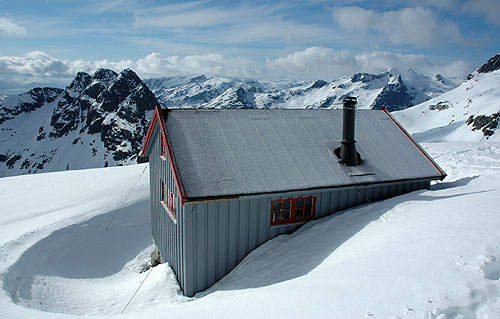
{"points": [[348, 148]]}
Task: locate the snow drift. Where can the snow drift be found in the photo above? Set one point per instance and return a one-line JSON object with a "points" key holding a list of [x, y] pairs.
{"points": [[433, 254]]}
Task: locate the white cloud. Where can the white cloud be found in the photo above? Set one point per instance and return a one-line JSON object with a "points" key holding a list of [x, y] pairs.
{"points": [[35, 64], [215, 25], [415, 26], [312, 63], [9, 29], [38, 67], [441, 4], [329, 64], [488, 8], [155, 65], [198, 18], [199, 14]]}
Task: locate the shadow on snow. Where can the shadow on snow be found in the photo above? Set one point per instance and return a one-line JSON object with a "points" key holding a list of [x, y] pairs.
{"points": [[83, 250]]}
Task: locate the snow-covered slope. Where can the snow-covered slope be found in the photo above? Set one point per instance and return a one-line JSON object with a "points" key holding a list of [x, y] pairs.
{"points": [[97, 120], [470, 112], [434, 253], [392, 89]]}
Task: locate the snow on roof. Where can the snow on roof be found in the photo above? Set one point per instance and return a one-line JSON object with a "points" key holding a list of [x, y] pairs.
{"points": [[241, 152]]}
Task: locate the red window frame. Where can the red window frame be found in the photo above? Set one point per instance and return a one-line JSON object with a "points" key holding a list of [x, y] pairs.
{"points": [[292, 210], [168, 199]]}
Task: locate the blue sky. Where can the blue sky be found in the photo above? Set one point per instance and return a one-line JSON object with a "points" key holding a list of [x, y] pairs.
{"points": [[47, 42]]}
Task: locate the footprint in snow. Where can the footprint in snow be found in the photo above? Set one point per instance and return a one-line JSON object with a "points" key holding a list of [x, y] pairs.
{"points": [[491, 268]]}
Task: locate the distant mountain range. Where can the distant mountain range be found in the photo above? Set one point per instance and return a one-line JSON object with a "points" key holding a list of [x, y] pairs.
{"points": [[393, 89], [101, 119]]}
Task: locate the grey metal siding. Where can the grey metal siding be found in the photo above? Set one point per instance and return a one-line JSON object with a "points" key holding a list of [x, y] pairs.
{"points": [[188, 249], [223, 232], [211, 238], [165, 232]]}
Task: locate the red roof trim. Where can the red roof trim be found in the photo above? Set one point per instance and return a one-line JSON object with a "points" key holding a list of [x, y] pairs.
{"points": [[151, 129], [443, 174], [158, 118]]}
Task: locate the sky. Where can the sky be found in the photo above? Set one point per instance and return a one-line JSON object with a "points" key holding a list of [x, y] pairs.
{"points": [[46, 42]]}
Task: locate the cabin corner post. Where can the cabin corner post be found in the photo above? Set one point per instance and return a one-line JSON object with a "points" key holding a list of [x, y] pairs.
{"points": [[188, 244]]}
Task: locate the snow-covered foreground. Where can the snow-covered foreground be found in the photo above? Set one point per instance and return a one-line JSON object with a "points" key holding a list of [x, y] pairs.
{"points": [[433, 254]]}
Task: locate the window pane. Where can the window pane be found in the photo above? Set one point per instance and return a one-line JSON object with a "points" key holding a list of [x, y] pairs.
{"points": [[299, 213], [309, 202], [299, 203], [308, 212], [276, 217], [286, 204], [276, 206], [286, 215]]}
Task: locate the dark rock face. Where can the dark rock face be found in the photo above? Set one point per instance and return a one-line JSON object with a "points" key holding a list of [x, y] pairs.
{"points": [[134, 107], [87, 102], [115, 108], [244, 99], [366, 77], [327, 102], [40, 96], [317, 85], [29, 102], [65, 117], [440, 106], [493, 64], [12, 160], [394, 97], [487, 124], [100, 103]]}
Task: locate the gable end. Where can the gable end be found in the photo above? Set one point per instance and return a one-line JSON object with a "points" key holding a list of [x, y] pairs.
{"points": [[165, 141]]}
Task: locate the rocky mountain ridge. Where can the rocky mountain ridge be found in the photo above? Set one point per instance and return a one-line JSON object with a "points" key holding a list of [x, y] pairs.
{"points": [[98, 120], [393, 89]]}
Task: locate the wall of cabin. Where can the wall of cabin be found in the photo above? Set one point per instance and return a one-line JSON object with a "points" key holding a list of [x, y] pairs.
{"points": [[217, 235], [166, 232]]}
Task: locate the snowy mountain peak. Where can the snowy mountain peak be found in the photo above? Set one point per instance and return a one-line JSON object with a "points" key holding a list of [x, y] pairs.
{"points": [[105, 75], [493, 64], [470, 112], [198, 79], [394, 96], [98, 120], [393, 72], [80, 81]]}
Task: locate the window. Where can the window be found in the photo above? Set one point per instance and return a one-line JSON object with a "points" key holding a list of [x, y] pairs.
{"points": [[163, 155], [168, 201], [292, 210]]}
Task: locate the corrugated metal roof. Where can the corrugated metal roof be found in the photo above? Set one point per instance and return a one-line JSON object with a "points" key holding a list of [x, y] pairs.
{"points": [[240, 151]]}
